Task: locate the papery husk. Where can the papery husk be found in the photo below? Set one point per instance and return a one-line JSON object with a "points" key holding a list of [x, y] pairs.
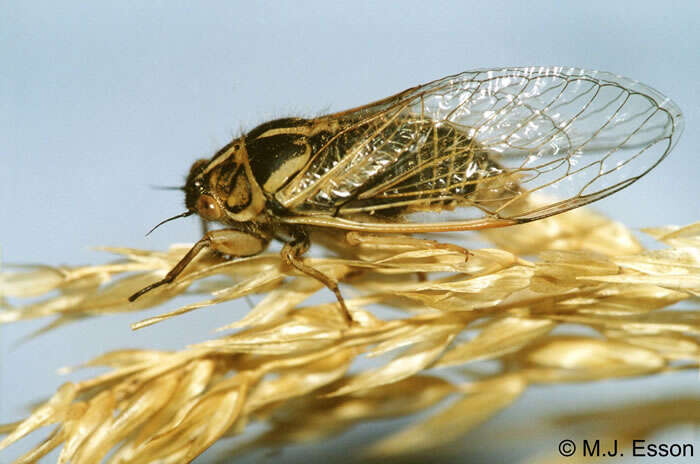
{"points": [[294, 367]]}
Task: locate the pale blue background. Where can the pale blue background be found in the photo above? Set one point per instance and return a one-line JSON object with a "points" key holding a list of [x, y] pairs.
{"points": [[99, 100]]}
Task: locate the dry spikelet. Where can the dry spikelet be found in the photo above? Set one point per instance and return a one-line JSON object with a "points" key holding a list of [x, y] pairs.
{"points": [[292, 367]]}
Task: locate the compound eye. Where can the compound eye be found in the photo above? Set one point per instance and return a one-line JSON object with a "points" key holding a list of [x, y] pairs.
{"points": [[208, 208]]}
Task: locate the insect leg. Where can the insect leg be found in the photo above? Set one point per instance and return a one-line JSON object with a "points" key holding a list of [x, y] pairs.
{"points": [[227, 241], [291, 254]]}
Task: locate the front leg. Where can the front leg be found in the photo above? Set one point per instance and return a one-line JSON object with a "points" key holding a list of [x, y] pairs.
{"points": [[231, 242], [292, 254], [205, 226]]}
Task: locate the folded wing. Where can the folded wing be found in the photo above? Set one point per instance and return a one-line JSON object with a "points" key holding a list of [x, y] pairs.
{"points": [[513, 145]]}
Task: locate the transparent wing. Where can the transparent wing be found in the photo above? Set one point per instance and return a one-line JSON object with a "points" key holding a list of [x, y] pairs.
{"points": [[512, 144]]}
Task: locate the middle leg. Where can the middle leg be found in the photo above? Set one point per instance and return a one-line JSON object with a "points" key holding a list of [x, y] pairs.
{"points": [[292, 254]]}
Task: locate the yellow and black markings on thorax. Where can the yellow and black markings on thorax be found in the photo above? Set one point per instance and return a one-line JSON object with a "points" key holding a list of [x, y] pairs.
{"points": [[483, 140]]}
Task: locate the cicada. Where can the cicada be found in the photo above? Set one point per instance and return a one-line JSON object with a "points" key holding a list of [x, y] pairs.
{"points": [[480, 149]]}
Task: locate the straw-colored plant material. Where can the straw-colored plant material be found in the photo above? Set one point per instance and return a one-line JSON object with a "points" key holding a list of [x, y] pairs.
{"points": [[289, 365]]}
